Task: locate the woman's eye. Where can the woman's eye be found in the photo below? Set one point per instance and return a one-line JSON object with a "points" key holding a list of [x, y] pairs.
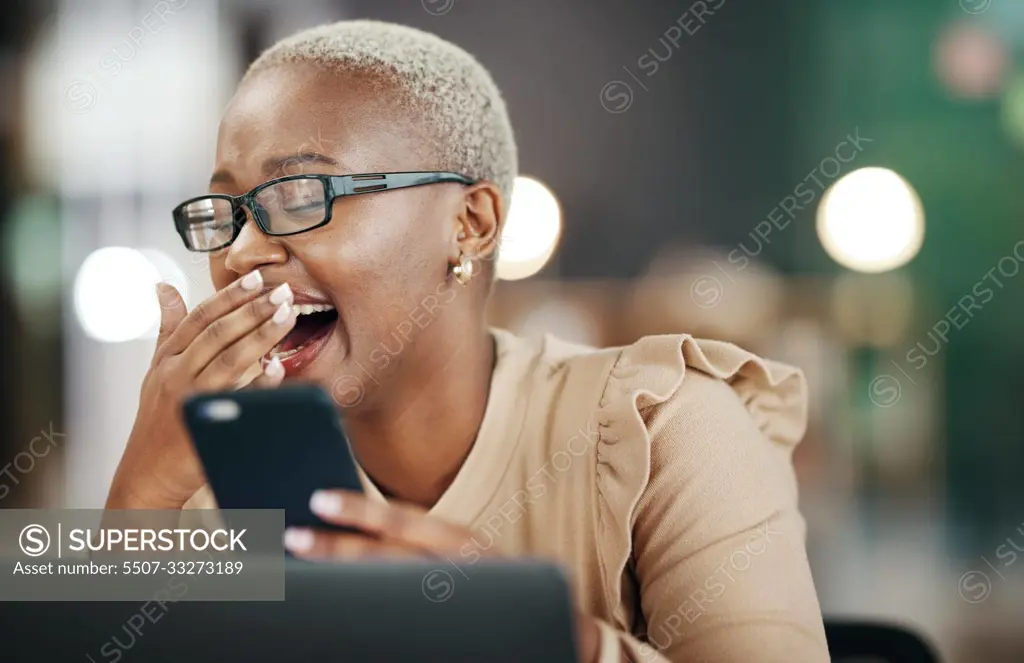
{"points": [[299, 207], [215, 226]]}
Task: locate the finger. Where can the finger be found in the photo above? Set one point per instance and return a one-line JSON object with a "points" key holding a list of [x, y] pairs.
{"points": [[403, 523], [234, 326], [233, 361], [172, 312], [320, 545], [271, 375], [249, 375], [222, 302]]}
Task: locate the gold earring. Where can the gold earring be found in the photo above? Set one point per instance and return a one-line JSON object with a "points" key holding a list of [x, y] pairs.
{"points": [[464, 270]]}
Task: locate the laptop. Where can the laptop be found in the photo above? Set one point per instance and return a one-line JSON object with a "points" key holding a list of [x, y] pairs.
{"points": [[496, 611]]}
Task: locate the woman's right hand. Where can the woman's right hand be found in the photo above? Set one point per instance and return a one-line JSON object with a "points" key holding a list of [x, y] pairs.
{"points": [[209, 349]]}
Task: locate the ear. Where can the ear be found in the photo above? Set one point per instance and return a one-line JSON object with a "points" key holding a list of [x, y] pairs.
{"points": [[478, 228]]}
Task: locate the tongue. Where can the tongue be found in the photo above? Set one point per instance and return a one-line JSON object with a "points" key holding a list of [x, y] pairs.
{"points": [[307, 328]]}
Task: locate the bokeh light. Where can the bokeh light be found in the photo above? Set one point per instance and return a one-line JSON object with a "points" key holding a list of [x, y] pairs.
{"points": [[114, 294], [531, 231], [970, 61], [1013, 110], [871, 221]]}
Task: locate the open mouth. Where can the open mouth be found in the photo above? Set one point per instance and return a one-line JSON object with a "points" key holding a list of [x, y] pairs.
{"points": [[313, 326]]}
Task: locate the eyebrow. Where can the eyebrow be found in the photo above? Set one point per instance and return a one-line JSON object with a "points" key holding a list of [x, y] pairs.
{"points": [[275, 165]]}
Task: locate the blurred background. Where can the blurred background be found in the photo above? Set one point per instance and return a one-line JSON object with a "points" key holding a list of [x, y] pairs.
{"points": [[832, 184]]}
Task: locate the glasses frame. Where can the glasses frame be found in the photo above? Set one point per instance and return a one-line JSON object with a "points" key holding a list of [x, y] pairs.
{"points": [[335, 186]]}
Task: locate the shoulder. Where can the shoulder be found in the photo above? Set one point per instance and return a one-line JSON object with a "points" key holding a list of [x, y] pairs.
{"points": [[671, 404], [637, 390], [694, 433]]}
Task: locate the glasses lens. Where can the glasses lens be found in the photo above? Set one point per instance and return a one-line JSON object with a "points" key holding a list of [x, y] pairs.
{"points": [[293, 205], [208, 223]]}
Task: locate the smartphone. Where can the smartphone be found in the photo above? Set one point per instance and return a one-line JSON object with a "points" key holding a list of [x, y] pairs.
{"points": [[272, 448]]}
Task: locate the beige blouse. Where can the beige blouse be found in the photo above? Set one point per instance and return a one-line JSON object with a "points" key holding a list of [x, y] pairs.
{"points": [[660, 475]]}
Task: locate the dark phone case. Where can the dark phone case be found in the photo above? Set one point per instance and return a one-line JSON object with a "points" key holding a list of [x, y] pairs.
{"points": [[284, 444]]}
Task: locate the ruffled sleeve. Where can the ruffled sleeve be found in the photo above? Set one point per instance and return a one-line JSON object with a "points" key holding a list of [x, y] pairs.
{"points": [[694, 470]]}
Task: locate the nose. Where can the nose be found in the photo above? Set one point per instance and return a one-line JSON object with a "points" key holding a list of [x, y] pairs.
{"points": [[253, 249]]}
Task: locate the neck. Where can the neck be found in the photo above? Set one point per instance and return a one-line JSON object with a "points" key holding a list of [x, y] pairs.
{"points": [[413, 442]]}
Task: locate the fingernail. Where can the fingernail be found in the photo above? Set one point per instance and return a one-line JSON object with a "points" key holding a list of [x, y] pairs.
{"points": [[274, 369], [163, 294], [298, 540], [281, 294], [252, 281], [281, 314], [325, 503]]}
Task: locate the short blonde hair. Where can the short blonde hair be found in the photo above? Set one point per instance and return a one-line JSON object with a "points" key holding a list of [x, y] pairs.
{"points": [[463, 112]]}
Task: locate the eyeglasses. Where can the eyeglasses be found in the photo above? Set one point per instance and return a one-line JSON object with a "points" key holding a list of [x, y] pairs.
{"points": [[285, 205]]}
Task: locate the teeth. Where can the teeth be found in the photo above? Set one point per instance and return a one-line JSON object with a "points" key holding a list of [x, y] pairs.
{"points": [[284, 355], [301, 309], [306, 309]]}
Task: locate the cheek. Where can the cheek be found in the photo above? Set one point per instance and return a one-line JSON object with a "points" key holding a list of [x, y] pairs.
{"points": [[378, 258], [384, 239]]}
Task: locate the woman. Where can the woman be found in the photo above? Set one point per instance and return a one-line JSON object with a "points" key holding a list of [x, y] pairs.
{"points": [[658, 474]]}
